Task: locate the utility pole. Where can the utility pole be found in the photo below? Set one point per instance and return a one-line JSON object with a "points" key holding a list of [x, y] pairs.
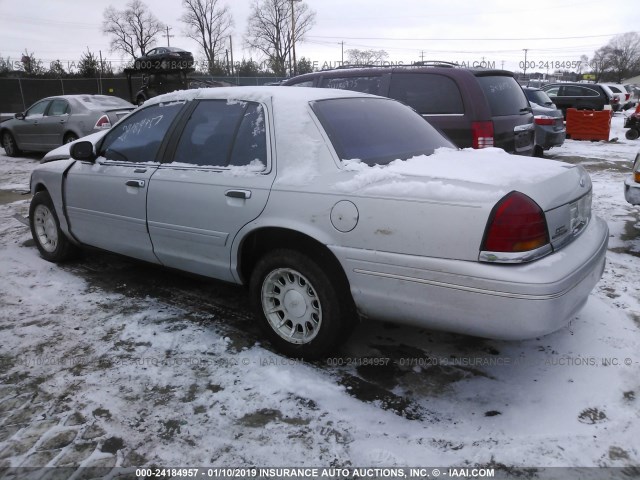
{"points": [[231, 50], [167, 35], [502, 64], [342, 59], [101, 69], [525, 61], [422, 56], [293, 36]]}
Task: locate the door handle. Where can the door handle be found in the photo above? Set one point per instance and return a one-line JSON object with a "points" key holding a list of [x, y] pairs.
{"points": [[246, 194], [135, 183]]}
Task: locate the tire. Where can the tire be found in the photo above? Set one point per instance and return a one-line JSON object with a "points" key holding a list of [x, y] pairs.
{"points": [[299, 305], [52, 243], [538, 151], [632, 134], [9, 144], [70, 137]]}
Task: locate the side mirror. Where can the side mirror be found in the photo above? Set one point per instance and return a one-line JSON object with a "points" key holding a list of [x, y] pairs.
{"points": [[19, 115], [83, 151]]}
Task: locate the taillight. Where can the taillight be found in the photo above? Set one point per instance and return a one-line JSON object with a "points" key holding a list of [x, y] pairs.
{"points": [[544, 120], [103, 122], [516, 224], [626, 96], [482, 134], [615, 100]]}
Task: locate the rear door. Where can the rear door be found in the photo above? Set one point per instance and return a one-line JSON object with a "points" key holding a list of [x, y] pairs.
{"points": [[216, 180], [513, 128], [53, 123], [106, 201]]}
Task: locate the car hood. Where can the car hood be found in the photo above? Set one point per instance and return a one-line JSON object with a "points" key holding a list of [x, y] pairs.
{"points": [[468, 176], [63, 151]]}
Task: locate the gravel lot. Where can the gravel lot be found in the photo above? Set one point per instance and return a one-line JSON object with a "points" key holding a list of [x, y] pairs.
{"points": [[109, 363]]}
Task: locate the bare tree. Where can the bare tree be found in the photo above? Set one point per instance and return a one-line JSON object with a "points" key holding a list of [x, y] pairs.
{"points": [[208, 23], [624, 54], [366, 57], [600, 62], [269, 30], [133, 29]]}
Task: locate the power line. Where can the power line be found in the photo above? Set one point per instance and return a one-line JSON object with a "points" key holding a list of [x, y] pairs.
{"points": [[462, 39]]}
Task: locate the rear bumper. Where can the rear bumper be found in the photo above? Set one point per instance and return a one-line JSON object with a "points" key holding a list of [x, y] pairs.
{"points": [[547, 137], [632, 191], [495, 301]]}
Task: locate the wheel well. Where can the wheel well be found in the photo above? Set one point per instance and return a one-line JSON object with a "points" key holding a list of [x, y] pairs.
{"points": [[261, 241], [70, 132]]}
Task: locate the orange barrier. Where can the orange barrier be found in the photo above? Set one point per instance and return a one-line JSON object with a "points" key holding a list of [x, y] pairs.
{"points": [[588, 124]]}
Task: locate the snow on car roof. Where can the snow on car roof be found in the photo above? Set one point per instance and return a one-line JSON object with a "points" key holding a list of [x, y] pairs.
{"points": [[101, 102]]}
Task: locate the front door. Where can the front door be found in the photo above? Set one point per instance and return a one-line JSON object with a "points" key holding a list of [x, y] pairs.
{"points": [[107, 200]]}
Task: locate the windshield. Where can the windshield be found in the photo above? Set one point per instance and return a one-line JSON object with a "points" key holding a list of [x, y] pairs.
{"points": [[377, 131], [538, 96]]}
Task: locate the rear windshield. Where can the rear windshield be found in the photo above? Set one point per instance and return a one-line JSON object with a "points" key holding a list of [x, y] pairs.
{"points": [[504, 94], [101, 102], [538, 96], [376, 131]]}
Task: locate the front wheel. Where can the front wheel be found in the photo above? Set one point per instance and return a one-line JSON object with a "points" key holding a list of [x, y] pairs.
{"points": [[52, 243], [9, 144], [299, 306]]}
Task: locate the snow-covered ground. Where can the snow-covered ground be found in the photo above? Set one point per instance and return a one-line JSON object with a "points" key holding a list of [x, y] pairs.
{"points": [[107, 362]]}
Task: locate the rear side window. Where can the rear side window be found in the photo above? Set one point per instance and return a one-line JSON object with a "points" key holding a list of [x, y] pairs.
{"points": [[504, 94], [428, 94], [576, 91], [357, 84], [221, 133], [376, 131]]}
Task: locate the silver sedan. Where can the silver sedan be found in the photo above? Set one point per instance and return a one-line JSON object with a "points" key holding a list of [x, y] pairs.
{"points": [[54, 121], [332, 207]]}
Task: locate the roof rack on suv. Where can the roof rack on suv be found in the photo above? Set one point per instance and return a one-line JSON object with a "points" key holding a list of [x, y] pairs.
{"points": [[434, 63]]}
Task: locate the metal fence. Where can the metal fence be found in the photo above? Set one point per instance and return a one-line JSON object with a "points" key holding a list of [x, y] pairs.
{"points": [[17, 94]]}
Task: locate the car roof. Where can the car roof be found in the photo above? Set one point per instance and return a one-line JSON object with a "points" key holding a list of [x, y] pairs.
{"points": [[380, 70], [258, 94]]}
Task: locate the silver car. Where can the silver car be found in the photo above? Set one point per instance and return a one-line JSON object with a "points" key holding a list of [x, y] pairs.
{"points": [[331, 206], [54, 121], [549, 121]]}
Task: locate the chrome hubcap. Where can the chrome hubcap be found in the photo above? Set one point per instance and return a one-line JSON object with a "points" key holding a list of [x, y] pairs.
{"points": [[45, 227], [291, 305]]}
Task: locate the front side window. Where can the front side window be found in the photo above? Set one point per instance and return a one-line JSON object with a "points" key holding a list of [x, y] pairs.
{"points": [[376, 131], [553, 91], [137, 139], [427, 94], [223, 133], [38, 109]]}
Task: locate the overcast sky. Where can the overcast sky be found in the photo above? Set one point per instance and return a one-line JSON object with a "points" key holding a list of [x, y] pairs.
{"points": [[493, 31]]}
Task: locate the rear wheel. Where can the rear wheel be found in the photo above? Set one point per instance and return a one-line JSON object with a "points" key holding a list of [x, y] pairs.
{"points": [[299, 306], [52, 243], [9, 144], [632, 134]]}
